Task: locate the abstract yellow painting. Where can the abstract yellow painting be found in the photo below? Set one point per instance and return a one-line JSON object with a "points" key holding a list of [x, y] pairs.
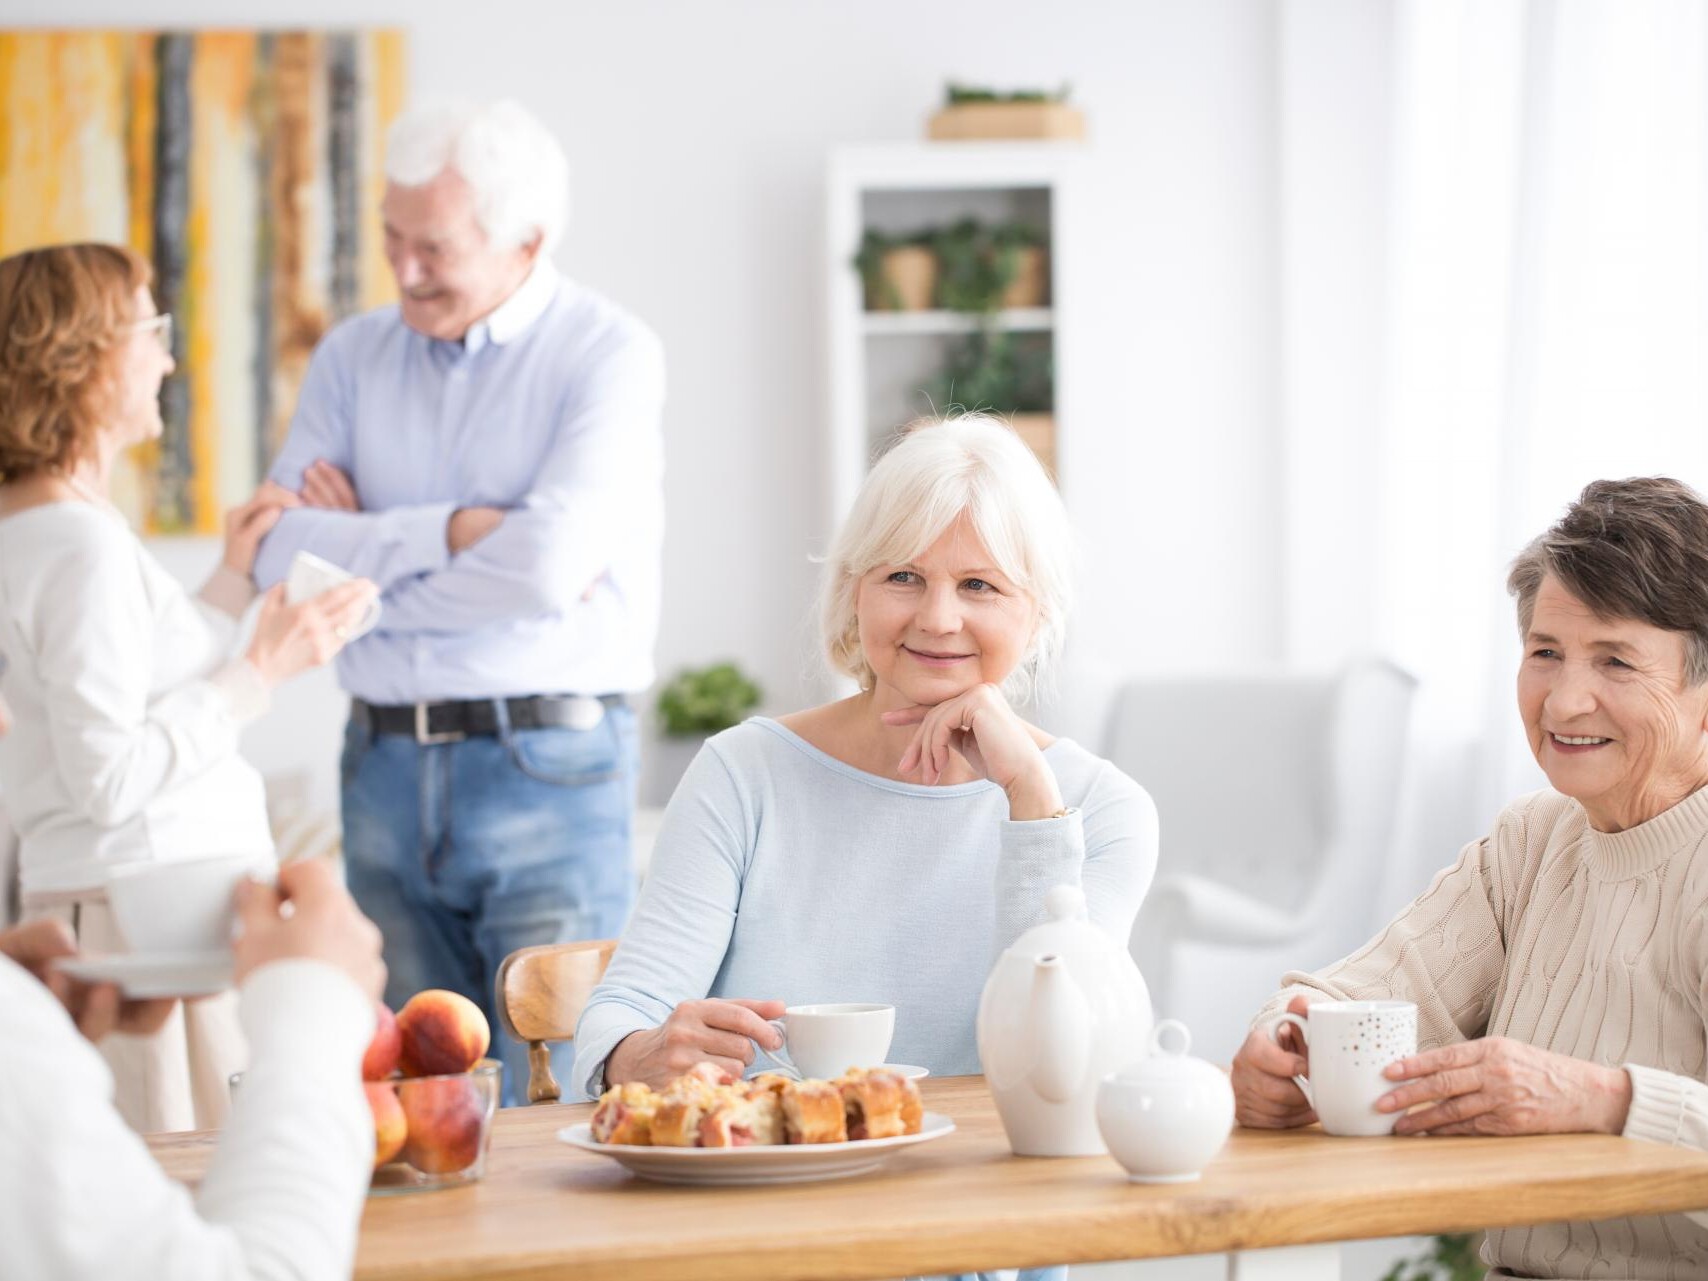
{"points": [[247, 167]]}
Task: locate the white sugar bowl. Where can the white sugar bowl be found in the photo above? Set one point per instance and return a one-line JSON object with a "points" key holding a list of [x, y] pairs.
{"points": [[1165, 1116]]}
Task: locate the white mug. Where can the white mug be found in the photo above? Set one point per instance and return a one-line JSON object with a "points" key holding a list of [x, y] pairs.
{"points": [[309, 576], [186, 906], [826, 1040], [1348, 1044]]}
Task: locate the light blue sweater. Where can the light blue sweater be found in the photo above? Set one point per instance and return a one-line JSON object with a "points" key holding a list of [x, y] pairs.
{"points": [[781, 873]]}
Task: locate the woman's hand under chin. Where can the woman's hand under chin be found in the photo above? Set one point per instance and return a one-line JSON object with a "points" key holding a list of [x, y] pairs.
{"points": [[983, 728]]}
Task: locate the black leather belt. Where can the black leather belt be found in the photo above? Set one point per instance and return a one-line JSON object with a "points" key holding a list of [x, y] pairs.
{"points": [[457, 719]]}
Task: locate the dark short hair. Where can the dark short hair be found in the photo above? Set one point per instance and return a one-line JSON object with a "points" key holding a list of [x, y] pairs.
{"points": [[1634, 548]]}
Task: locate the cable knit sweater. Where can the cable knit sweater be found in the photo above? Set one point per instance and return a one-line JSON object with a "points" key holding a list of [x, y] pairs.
{"points": [[1585, 943]]}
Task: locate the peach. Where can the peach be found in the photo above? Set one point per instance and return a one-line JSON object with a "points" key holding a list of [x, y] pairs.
{"points": [[445, 1115], [380, 1059], [391, 1128], [442, 1033]]}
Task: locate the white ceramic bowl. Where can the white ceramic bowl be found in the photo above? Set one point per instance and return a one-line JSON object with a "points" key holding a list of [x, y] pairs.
{"points": [[1165, 1116]]}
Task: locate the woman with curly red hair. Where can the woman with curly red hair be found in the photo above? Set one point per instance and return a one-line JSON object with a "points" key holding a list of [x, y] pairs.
{"points": [[125, 696]]}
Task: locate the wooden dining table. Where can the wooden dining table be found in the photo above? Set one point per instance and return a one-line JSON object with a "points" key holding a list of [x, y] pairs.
{"points": [[1275, 1201]]}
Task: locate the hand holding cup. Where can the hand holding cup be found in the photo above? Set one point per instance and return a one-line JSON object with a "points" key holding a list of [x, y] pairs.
{"points": [[324, 925], [290, 639], [1264, 1072], [1349, 1045]]}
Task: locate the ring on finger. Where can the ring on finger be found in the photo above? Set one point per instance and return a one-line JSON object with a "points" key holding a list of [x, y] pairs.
{"points": [[341, 632]]}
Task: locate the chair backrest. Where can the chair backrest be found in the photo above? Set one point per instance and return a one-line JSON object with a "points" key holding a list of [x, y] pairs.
{"points": [[1281, 785], [541, 992]]}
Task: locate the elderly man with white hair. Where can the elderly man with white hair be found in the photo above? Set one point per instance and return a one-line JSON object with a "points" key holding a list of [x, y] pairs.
{"points": [[488, 451]]}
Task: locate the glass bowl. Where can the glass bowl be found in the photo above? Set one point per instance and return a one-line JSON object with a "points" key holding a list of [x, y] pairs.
{"points": [[444, 1122]]}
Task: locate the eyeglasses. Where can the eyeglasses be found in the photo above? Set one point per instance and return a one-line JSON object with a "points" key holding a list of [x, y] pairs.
{"points": [[160, 326]]}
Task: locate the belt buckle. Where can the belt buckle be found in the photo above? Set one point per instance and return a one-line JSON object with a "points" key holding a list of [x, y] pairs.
{"points": [[584, 712], [425, 737]]}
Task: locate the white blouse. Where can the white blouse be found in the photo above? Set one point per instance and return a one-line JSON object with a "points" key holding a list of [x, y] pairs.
{"points": [[125, 704]]}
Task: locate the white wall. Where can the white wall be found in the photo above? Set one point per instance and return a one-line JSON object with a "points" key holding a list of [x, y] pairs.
{"points": [[697, 135]]}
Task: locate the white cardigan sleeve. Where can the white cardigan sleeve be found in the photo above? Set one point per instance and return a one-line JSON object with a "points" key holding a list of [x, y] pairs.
{"points": [[82, 1197], [92, 629]]}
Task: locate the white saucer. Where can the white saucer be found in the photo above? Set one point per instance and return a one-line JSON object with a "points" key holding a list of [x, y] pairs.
{"points": [[908, 1070], [155, 974]]}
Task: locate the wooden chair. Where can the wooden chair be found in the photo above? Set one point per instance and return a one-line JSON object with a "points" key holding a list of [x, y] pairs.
{"points": [[541, 992]]}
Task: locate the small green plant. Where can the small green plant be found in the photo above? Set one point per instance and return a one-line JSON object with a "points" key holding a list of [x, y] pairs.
{"points": [[707, 699], [881, 292], [955, 93], [977, 262], [1449, 1258], [992, 370]]}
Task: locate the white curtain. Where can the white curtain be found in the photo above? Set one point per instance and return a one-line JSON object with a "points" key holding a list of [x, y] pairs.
{"points": [[1540, 323]]}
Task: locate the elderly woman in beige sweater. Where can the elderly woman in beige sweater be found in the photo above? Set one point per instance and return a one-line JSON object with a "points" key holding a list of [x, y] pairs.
{"points": [[1560, 967]]}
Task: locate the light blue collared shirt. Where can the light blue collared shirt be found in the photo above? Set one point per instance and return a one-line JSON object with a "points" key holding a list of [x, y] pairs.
{"points": [[548, 408]]}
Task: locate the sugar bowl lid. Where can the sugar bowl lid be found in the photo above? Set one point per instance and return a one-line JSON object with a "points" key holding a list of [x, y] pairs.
{"points": [[1168, 1064]]}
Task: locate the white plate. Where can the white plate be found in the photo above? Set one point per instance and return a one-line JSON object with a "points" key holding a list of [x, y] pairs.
{"points": [[781, 1163], [155, 974], [908, 1070]]}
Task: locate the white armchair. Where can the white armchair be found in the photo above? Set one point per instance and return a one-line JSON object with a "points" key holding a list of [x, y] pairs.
{"points": [[1276, 796]]}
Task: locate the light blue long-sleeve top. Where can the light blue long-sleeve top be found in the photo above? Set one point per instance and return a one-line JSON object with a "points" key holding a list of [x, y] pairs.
{"points": [[550, 408], [782, 873]]}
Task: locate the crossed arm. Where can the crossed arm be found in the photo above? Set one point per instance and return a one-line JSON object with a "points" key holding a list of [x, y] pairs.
{"points": [[447, 569]]}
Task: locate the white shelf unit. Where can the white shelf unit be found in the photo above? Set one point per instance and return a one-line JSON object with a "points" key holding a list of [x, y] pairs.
{"points": [[880, 361], [899, 323]]}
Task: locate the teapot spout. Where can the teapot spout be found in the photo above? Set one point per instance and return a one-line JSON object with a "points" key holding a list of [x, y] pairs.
{"points": [[1059, 1021]]}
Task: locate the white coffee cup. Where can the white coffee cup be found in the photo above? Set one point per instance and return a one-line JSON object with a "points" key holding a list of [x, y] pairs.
{"points": [[181, 907], [1348, 1044], [309, 576], [826, 1040]]}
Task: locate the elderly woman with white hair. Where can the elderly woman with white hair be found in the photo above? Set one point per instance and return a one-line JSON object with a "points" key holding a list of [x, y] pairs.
{"points": [[884, 847]]}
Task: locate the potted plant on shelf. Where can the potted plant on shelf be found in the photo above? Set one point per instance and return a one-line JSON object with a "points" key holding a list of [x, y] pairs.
{"points": [[983, 267], [972, 112], [996, 372], [696, 702], [899, 272]]}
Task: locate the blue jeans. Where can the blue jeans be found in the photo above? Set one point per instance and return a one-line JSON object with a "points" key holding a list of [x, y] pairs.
{"points": [[463, 852]]}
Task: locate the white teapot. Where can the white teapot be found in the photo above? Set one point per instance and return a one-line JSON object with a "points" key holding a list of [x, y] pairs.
{"points": [[1064, 1007]]}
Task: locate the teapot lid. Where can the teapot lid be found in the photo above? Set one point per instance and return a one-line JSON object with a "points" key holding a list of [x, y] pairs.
{"points": [[1066, 927], [1066, 903]]}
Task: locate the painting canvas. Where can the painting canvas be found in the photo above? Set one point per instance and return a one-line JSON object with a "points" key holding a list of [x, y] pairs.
{"points": [[247, 167]]}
